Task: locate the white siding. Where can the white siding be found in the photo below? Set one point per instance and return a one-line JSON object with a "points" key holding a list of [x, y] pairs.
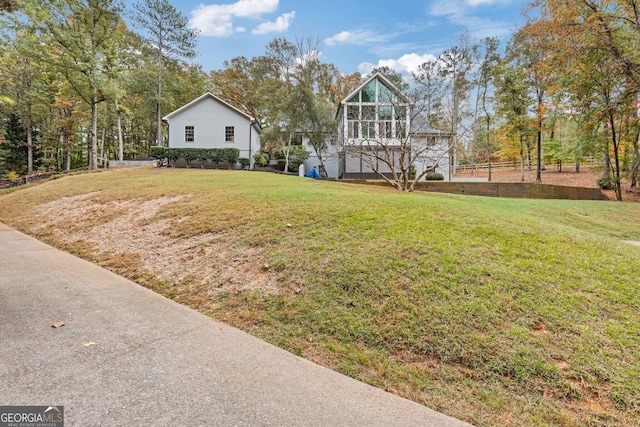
{"points": [[352, 164], [437, 154], [384, 167], [365, 165], [209, 119], [330, 158]]}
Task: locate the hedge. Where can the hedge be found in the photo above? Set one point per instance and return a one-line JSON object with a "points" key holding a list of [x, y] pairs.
{"points": [[216, 155], [434, 176]]}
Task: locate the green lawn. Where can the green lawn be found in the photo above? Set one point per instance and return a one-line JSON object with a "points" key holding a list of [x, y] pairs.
{"points": [[494, 311]]}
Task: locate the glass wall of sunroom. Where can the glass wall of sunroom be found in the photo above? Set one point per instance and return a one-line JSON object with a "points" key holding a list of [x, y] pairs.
{"points": [[376, 113]]}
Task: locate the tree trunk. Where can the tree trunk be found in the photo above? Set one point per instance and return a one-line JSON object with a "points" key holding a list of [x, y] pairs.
{"points": [[93, 154], [606, 163], [159, 101], [473, 145], [120, 141], [152, 136], [29, 126], [321, 164], [539, 153], [66, 152], [158, 126], [286, 151], [521, 158], [454, 130], [103, 136], [539, 142], [319, 154], [635, 167], [616, 156], [488, 143]]}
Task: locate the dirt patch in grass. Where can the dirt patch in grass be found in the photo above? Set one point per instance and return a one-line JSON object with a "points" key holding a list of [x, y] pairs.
{"points": [[128, 229], [494, 311]]}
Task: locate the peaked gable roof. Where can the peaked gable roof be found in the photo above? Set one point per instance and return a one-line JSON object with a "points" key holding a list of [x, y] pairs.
{"points": [[385, 80], [420, 126], [215, 98]]}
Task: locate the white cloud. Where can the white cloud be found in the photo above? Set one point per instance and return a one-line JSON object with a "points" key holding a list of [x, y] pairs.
{"points": [[475, 3], [446, 8], [404, 65], [280, 25], [312, 55], [444, 5], [481, 28], [366, 67], [461, 14], [342, 37], [217, 19], [359, 37]]}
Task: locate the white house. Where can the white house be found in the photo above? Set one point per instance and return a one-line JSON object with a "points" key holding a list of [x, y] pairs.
{"points": [[210, 122], [377, 118]]}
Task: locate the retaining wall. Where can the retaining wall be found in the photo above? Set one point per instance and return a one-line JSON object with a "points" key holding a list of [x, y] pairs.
{"points": [[527, 190], [115, 164]]}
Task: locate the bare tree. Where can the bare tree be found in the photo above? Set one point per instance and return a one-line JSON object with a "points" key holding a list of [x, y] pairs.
{"points": [[430, 89], [485, 81], [383, 134], [456, 63]]}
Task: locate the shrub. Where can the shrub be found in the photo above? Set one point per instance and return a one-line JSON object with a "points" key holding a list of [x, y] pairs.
{"points": [[216, 155], [231, 156], [158, 152], [412, 172], [434, 176], [297, 156], [294, 163], [260, 160], [189, 154], [203, 156], [244, 162], [13, 176], [606, 183], [172, 154]]}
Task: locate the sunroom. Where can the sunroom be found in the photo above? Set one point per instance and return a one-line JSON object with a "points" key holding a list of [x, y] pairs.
{"points": [[374, 117]]}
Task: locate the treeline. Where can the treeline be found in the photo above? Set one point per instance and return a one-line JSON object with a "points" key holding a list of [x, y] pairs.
{"points": [[565, 87], [570, 81], [79, 86]]}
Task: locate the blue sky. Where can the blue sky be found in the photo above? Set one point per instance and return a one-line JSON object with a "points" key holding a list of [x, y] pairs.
{"points": [[354, 35]]}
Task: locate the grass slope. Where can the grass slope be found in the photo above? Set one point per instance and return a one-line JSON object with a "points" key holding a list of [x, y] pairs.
{"points": [[494, 311]]}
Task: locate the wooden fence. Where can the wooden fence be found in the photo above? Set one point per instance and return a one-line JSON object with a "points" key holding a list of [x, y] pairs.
{"points": [[515, 165]]}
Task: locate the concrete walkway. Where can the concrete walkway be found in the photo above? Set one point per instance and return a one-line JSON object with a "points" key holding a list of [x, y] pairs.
{"points": [[129, 357]]}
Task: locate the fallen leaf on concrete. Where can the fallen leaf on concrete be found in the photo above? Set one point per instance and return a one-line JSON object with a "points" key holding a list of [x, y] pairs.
{"points": [[57, 325], [89, 344]]}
